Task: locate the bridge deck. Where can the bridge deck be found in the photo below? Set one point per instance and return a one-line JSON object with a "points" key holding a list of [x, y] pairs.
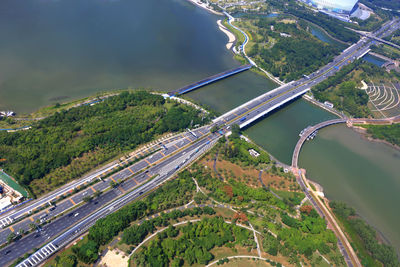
{"points": [[209, 80], [307, 133]]}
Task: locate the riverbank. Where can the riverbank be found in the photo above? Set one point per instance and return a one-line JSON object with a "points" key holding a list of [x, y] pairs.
{"points": [[231, 36], [366, 136]]}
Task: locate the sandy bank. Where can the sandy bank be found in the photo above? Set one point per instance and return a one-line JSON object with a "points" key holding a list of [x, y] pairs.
{"points": [[230, 35]]}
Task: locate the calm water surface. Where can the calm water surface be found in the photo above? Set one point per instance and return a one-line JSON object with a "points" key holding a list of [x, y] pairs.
{"points": [[362, 173], [50, 50], [374, 60]]}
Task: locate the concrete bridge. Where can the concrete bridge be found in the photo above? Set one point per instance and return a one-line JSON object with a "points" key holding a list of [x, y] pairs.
{"points": [[307, 133]]}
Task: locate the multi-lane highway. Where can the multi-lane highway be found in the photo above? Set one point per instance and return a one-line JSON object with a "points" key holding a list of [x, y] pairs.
{"points": [[168, 147], [165, 163], [84, 216]]}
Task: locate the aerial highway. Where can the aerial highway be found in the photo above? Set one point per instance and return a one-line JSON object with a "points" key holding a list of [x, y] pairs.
{"points": [[166, 148], [86, 215], [159, 167]]}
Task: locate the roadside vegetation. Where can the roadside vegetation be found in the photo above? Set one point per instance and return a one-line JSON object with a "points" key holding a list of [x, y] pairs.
{"points": [[343, 89], [389, 133], [364, 238], [70, 143], [386, 51]]}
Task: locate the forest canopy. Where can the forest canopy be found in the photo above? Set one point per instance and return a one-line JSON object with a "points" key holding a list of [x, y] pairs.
{"points": [[83, 137]]}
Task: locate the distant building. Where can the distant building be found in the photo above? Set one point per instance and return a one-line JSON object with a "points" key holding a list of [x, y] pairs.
{"points": [[254, 153], [5, 203], [337, 6], [340, 9]]}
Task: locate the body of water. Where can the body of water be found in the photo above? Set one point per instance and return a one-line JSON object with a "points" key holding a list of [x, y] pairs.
{"points": [[54, 51], [321, 35], [361, 173], [374, 60]]}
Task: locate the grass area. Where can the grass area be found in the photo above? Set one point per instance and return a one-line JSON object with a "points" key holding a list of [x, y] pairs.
{"points": [[11, 123]]}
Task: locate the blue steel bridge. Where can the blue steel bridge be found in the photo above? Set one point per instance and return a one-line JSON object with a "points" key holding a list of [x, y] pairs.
{"points": [[209, 80]]}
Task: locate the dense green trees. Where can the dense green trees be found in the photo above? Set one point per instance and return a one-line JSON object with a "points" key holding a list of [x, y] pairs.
{"points": [[290, 57], [332, 25], [87, 252], [66, 261], [390, 133], [89, 135], [344, 94], [193, 244]]}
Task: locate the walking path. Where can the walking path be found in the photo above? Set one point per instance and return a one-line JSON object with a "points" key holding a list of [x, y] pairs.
{"points": [[239, 257], [256, 240]]}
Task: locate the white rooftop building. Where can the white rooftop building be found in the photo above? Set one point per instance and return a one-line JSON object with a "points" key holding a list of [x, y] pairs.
{"points": [[338, 6]]}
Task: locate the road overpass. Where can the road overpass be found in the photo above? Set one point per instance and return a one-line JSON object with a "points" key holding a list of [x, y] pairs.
{"points": [[394, 24]]}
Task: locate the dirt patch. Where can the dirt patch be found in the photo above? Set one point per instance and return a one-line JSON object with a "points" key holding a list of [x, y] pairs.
{"points": [[278, 182], [114, 258]]}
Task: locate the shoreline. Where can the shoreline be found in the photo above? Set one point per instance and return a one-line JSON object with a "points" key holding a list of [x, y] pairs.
{"points": [[231, 36], [366, 136]]}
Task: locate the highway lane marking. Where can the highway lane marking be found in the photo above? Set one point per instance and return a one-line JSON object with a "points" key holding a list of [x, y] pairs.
{"points": [[72, 201], [94, 190], [12, 229]]}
